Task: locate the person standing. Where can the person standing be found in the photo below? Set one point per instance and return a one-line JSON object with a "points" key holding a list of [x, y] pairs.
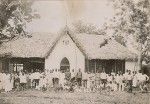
{"points": [[121, 82], [7, 82], [144, 80], [103, 78], [23, 81], [36, 77], [12, 77], [1, 81], [117, 78], [67, 75], [135, 79], [79, 78], [28, 80], [125, 75], [16, 81], [97, 78], [129, 80]]}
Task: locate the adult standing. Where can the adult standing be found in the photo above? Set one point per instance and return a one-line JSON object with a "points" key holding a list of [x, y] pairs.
{"points": [[36, 77], [97, 78], [125, 75], [1, 81], [7, 82], [68, 78], [28, 80], [145, 79], [135, 79], [67, 75], [12, 78], [48, 78], [103, 78], [79, 78], [117, 79], [129, 80], [121, 82], [23, 81], [16, 81]]}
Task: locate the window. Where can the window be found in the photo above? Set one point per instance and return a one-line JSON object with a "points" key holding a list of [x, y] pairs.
{"points": [[16, 67]]}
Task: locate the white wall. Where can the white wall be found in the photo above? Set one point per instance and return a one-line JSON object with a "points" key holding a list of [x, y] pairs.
{"points": [[70, 51], [131, 65]]}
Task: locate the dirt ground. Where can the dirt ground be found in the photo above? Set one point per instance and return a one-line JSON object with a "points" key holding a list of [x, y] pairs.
{"points": [[39, 97]]}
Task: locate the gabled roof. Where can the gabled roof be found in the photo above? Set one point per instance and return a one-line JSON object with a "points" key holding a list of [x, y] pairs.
{"points": [[41, 44], [90, 44], [36, 46]]}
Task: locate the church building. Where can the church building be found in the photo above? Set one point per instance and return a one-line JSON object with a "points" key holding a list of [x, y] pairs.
{"points": [[65, 50]]}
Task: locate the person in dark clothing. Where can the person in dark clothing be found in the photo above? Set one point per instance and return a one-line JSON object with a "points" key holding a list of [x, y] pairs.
{"points": [[67, 76], [129, 78], [79, 78]]}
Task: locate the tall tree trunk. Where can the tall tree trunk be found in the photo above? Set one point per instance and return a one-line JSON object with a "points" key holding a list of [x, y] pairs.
{"points": [[140, 61], [140, 58]]}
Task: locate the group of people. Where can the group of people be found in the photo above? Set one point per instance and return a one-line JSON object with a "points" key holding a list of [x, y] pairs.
{"points": [[117, 81], [6, 82], [73, 80], [19, 80]]}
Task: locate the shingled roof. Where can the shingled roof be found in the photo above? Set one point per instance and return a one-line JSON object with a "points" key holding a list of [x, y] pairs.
{"points": [[40, 44]]}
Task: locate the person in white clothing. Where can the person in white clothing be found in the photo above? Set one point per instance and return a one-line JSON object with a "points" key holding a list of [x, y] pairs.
{"points": [[121, 82], [48, 78], [39, 87], [135, 79], [8, 86], [117, 78], [129, 79], [125, 75], [145, 78], [36, 75], [1, 81], [113, 73], [103, 76], [62, 79], [23, 81], [88, 81], [109, 81]]}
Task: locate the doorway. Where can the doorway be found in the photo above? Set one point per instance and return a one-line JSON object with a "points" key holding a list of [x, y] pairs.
{"points": [[64, 65]]}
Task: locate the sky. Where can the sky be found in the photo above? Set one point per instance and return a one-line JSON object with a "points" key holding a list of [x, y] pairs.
{"points": [[55, 14]]}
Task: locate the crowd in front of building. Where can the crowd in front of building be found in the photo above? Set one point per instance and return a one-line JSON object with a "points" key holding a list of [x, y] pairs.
{"points": [[73, 81]]}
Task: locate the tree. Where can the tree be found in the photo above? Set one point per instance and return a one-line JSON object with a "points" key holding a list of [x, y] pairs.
{"points": [[132, 22], [81, 27], [14, 14]]}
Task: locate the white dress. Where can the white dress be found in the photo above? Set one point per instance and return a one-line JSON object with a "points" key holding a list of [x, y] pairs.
{"points": [[8, 86], [1, 85], [135, 81], [3, 80], [12, 81], [88, 81]]}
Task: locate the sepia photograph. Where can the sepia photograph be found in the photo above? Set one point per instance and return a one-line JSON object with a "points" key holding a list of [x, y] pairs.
{"points": [[74, 51]]}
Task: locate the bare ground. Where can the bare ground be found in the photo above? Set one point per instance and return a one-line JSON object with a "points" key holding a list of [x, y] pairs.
{"points": [[39, 97]]}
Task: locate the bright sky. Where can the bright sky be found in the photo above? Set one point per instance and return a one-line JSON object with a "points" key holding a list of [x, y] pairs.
{"points": [[55, 13]]}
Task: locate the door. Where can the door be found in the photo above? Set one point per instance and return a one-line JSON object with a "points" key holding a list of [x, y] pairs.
{"points": [[64, 65]]}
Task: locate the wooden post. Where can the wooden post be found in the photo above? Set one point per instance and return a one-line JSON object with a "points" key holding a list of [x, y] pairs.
{"points": [[115, 66], [88, 70], [122, 66], [95, 66]]}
